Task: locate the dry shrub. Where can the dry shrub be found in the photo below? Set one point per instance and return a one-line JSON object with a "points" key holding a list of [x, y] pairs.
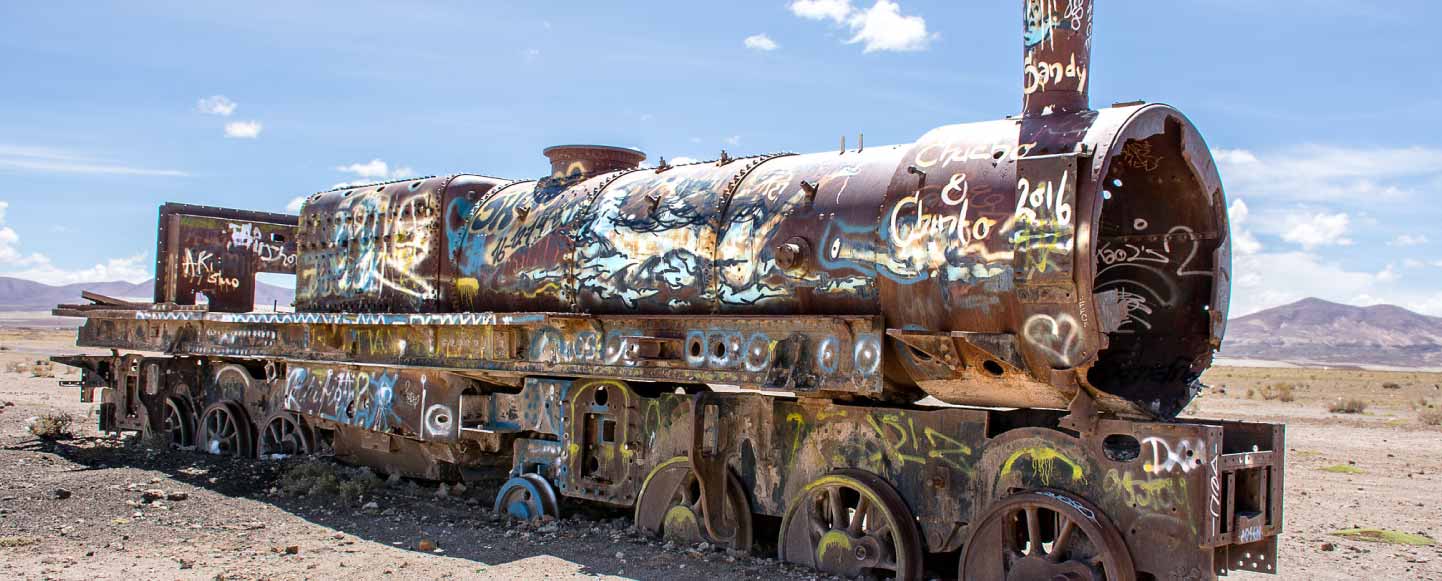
{"points": [[1350, 406], [17, 367], [320, 478], [1430, 417], [42, 369], [1285, 392], [52, 426], [1391, 385]]}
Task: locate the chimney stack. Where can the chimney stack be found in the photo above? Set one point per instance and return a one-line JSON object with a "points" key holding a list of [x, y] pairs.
{"points": [[1058, 38]]}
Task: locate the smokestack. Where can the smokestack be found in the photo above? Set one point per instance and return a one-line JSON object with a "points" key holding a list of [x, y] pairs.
{"points": [[1058, 37]]}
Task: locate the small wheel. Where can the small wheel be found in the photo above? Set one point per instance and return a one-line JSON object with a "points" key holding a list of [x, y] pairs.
{"points": [[670, 506], [527, 497], [286, 434], [1046, 535], [225, 431], [177, 423], [852, 523]]}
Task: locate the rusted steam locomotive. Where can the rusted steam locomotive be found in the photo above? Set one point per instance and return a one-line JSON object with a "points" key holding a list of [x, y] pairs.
{"points": [[715, 343]]}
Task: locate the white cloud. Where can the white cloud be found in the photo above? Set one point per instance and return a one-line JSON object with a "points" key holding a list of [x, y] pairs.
{"points": [[295, 204], [50, 160], [375, 170], [1243, 242], [761, 42], [1311, 230], [1315, 173], [834, 10], [885, 28], [243, 129], [216, 105], [880, 28], [733, 140], [1409, 240], [682, 160], [38, 267], [1267, 280]]}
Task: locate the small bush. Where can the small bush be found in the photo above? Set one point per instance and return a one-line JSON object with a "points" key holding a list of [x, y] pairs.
{"points": [[1391, 385], [42, 369], [1350, 406], [1342, 469], [1285, 392], [1430, 417], [320, 478], [13, 542], [17, 367], [52, 426]]}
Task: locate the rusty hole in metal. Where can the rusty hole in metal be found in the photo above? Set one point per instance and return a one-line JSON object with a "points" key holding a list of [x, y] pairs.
{"points": [[919, 354], [992, 367], [602, 396], [1122, 448], [718, 349]]}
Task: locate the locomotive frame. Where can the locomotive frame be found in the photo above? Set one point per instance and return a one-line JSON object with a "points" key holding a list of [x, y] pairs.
{"points": [[702, 410]]}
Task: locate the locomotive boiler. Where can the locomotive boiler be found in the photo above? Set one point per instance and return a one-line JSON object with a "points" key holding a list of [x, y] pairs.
{"points": [[757, 335]]}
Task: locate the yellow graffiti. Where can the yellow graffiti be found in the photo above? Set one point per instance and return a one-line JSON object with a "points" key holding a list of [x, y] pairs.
{"points": [[1154, 494], [1043, 464], [795, 418], [467, 288], [952, 454], [901, 445]]}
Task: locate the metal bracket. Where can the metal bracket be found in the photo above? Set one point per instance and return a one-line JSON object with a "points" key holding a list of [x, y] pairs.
{"points": [[1082, 416], [708, 460]]}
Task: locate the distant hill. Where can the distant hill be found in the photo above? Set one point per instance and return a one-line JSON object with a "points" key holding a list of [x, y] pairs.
{"points": [[17, 294], [1314, 330]]}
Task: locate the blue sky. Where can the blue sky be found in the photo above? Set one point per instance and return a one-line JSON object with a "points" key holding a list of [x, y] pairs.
{"points": [[1323, 112]]}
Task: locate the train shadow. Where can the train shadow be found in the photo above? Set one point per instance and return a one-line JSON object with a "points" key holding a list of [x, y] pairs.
{"points": [[402, 513]]}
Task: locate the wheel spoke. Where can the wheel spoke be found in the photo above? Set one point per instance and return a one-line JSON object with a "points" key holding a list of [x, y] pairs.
{"points": [[1033, 531], [858, 518], [838, 512], [1058, 547], [818, 524]]}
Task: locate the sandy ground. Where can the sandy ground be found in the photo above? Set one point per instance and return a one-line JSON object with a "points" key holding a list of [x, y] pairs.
{"points": [[219, 519]]}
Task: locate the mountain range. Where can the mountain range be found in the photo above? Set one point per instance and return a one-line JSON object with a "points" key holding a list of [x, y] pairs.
{"points": [[1318, 331], [18, 294]]}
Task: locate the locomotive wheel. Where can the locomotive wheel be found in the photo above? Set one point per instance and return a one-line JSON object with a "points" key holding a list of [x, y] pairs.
{"points": [[670, 506], [287, 434], [528, 497], [1046, 535], [852, 523], [177, 423], [225, 431]]}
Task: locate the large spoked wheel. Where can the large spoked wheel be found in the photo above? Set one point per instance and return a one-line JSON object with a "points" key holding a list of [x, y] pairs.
{"points": [[852, 523], [286, 434], [528, 497], [177, 423], [225, 431], [670, 507], [1046, 535]]}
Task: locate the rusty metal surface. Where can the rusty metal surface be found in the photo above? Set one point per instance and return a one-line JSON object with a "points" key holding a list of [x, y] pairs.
{"points": [[373, 248], [217, 252]]}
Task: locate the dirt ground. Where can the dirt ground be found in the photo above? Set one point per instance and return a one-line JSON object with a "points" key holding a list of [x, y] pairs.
{"points": [[92, 507]]}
